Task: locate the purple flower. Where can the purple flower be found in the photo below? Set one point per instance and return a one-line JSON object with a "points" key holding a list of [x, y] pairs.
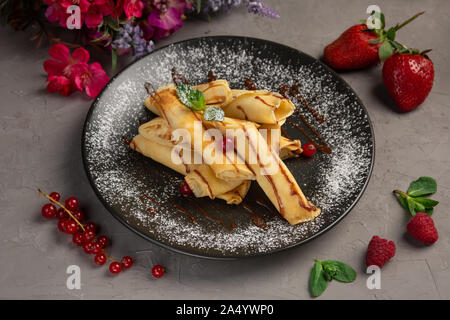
{"points": [[131, 38], [260, 8], [215, 5], [253, 6]]}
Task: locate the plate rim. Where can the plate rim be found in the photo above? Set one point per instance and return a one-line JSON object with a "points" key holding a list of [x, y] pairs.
{"points": [[211, 256]]}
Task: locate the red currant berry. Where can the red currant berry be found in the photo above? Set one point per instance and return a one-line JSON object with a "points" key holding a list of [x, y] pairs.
{"points": [[55, 196], [48, 211], [88, 235], [71, 203], [309, 149], [100, 259], [127, 262], [158, 271], [103, 241], [61, 213], [62, 224], [90, 226], [185, 189], [78, 239], [71, 227], [96, 247], [115, 267], [78, 214], [227, 144], [88, 246]]}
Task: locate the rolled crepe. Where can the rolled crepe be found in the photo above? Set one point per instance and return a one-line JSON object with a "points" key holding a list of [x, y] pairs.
{"points": [[285, 147], [229, 166], [271, 173], [259, 106], [216, 92], [153, 141], [236, 195], [289, 148]]}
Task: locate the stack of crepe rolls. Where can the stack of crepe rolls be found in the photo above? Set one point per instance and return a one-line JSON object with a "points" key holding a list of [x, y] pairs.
{"points": [[154, 141], [247, 112]]}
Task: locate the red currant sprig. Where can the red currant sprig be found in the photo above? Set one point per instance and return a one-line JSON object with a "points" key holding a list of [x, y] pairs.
{"points": [[69, 221]]}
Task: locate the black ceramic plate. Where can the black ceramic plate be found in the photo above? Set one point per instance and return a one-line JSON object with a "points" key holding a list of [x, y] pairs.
{"points": [[119, 176]]}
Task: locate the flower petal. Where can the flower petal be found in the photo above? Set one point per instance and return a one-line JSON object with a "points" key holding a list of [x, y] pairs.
{"points": [[98, 80], [59, 52], [80, 55], [53, 68]]}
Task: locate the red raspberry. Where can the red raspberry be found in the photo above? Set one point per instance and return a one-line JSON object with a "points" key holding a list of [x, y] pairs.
{"points": [[379, 251], [422, 228]]}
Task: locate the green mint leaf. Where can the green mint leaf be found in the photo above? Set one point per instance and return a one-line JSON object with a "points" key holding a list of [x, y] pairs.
{"points": [[317, 281], [385, 51], [429, 211], [191, 97], [339, 270], [213, 114], [422, 187]]}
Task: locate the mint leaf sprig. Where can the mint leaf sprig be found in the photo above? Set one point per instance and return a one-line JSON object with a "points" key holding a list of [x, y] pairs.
{"points": [[195, 100], [413, 200], [325, 271]]}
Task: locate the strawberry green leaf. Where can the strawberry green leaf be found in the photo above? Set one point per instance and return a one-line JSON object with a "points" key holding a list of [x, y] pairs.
{"points": [[411, 206], [422, 187], [391, 34], [385, 51], [427, 203]]}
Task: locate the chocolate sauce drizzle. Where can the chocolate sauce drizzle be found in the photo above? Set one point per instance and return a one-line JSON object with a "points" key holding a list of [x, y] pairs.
{"points": [[126, 140], [215, 219], [256, 219], [183, 210], [211, 76], [249, 84], [178, 78], [295, 91]]}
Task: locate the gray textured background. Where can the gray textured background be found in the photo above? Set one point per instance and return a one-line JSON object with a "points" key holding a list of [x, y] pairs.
{"points": [[40, 147]]}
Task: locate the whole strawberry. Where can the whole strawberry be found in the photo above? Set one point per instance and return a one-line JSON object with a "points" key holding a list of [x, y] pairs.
{"points": [[408, 77], [360, 46], [422, 228], [353, 50], [379, 251]]}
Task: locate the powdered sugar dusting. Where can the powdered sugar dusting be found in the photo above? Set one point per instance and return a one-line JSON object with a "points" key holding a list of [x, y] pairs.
{"points": [[333, 182]]}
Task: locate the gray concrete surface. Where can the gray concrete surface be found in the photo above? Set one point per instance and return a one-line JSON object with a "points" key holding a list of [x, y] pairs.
{"points": [[40, 147]]}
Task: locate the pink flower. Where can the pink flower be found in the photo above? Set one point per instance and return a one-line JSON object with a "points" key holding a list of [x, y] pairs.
{"points": [[94, 16], [56, 11], [60, 84], [63, 60], [68, 72], [166, 18], [92, 78], [133, 8]]}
